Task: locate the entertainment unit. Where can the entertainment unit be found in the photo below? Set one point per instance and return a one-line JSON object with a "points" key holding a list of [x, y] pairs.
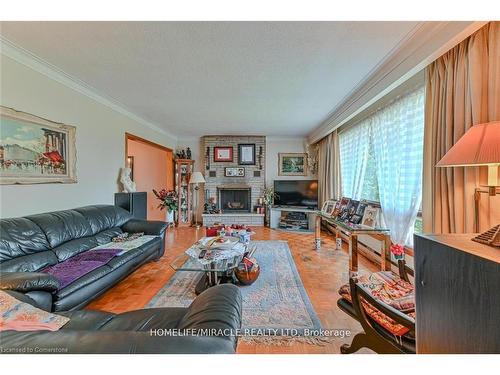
{"points": [[292, 218]]}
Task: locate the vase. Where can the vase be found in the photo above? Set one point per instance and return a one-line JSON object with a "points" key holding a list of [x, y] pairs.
{"points": [[170, 217]]}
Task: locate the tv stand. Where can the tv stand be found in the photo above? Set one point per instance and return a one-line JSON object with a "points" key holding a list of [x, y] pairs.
{"points": [[277, 213]]}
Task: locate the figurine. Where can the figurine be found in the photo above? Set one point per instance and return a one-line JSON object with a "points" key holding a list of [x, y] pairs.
{"points": [[188, 153], [183, 154], [127, 183]]}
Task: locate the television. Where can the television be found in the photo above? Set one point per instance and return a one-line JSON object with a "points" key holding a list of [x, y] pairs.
{"points": [[296, 193]]}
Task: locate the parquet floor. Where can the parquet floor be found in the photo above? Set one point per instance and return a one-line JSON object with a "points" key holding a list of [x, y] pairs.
{"points": [[322, 273]]}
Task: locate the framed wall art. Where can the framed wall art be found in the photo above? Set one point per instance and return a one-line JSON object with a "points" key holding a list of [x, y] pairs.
{"points": [[292, 164], [246, 154], [223, 154], [34, 150], [234, 172]]}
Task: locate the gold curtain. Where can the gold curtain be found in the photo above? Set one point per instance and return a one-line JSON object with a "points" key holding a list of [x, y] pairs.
{"points": [[462, 89], [329, 168]]}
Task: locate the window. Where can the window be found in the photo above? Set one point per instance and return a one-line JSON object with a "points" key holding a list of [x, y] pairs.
{"points": [[381, 160]]}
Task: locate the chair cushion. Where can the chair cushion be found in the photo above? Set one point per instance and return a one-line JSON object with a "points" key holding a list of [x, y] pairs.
{"points": [[389, 288], [21, 316]]}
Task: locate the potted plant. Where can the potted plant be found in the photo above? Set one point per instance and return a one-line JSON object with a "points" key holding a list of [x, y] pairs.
{"points": [[268, 196], [168, 201]]}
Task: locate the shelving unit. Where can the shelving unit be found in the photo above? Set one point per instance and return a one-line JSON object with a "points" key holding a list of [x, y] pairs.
{"points": [[183, 171], [292, 218]]}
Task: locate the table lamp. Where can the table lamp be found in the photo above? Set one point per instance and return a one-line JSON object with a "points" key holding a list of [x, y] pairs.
{"points": [[480, 145], [196, 179]]}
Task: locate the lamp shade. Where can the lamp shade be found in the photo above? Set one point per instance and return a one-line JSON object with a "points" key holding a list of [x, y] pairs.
{"points": [[480, 145], [196, 178]]}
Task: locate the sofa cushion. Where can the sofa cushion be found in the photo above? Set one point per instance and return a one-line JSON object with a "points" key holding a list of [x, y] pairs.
{"points": [[86, 320], [62, 226], [75, 267], [21, 316], [107, 235], [74, 247], [146, 319], [83, 281], [30, 263], [20, 237], [102, 217], [129, 255]]}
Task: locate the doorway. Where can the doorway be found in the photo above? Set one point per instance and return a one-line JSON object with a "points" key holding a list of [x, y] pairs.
{"points": [[152, 168]]}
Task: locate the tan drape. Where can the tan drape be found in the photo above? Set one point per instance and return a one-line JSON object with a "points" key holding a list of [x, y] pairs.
{"points": [[329, 168], [462, 89]]}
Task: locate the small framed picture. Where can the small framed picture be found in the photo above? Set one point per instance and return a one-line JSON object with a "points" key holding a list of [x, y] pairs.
{"points": [[328, 207], [292, 164], [234, 172], [370, 216], [246, 154], [223, 154]]}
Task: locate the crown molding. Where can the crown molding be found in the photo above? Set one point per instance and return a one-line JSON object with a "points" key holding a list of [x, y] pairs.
{"points": [[422, 45], [32, 61]]}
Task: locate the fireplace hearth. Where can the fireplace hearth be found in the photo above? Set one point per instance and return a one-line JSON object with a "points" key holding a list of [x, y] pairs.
{"points": [[234, 200]]}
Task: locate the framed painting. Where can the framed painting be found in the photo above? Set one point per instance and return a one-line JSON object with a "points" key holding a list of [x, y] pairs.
{"points": [[34, 150], [223, 154], [292, 164], [246, 154]]}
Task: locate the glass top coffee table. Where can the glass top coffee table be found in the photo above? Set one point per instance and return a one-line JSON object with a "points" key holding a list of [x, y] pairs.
{"points": [[216, 266]]}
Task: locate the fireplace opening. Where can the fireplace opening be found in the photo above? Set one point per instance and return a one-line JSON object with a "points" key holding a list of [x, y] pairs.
{"points": [[234, 199]]}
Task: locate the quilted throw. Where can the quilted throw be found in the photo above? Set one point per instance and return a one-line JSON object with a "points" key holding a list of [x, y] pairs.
{"points": [[20, 316], [126, 245]]}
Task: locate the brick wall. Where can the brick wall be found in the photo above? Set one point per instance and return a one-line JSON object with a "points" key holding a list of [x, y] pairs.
{"points": [[256, 184]]}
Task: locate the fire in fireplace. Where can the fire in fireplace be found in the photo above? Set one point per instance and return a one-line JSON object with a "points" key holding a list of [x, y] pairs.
{"points": [[234, 199]]}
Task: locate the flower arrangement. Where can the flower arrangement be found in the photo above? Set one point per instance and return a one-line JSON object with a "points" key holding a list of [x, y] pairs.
{"points": [[168, 199], [398, 251]]}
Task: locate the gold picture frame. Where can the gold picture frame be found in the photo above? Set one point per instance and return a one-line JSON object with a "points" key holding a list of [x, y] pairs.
{"points": [[34, 150], [292, 164]]}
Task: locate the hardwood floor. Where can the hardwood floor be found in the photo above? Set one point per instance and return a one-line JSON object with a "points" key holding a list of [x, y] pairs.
{"points": [[322, 273]]}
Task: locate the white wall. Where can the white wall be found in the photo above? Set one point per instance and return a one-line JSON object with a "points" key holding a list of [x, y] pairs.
{"points": [[276, 145], [100, 141]]}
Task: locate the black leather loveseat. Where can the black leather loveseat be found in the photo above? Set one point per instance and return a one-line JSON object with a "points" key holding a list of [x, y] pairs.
{"points": [[209, 325], [33, 243]]}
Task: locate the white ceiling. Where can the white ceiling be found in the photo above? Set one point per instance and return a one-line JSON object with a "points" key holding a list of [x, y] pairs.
{"points": [[197, 78]]}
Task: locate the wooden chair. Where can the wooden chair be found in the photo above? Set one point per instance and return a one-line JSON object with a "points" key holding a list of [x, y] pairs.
{"points": [[376, 337]]}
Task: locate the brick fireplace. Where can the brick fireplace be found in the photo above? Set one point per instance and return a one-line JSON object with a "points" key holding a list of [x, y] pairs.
{"points": [[235, 196]]}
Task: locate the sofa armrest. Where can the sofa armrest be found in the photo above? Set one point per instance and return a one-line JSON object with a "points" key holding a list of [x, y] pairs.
{"points": [[154, 228], [218, 308], [28, 282]]}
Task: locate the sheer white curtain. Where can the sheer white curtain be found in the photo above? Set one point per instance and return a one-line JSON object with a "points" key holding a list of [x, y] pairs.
{"points": [[398, 150], [354, 143]]}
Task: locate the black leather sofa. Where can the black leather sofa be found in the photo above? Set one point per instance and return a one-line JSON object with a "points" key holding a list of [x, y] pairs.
{"points": [[30, 244], [208, 325]]}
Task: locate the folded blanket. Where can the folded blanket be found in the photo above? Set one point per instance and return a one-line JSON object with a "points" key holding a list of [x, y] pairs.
{"points": [[79, 265]]}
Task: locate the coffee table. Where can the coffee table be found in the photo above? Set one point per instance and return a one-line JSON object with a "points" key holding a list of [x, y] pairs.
{"points": [[215, 268]]}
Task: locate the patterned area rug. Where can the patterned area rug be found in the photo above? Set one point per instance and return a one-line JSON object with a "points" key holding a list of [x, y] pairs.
{"points": [[276, 303]]}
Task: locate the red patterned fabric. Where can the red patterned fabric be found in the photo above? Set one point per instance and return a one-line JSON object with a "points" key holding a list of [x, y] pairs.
{"points": [[390, 289]]}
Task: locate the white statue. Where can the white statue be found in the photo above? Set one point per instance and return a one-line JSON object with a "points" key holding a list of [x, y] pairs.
{"points": [[127, 183]]}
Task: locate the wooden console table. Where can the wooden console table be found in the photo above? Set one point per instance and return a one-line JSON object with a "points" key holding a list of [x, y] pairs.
{"points": [[353, 231]]}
